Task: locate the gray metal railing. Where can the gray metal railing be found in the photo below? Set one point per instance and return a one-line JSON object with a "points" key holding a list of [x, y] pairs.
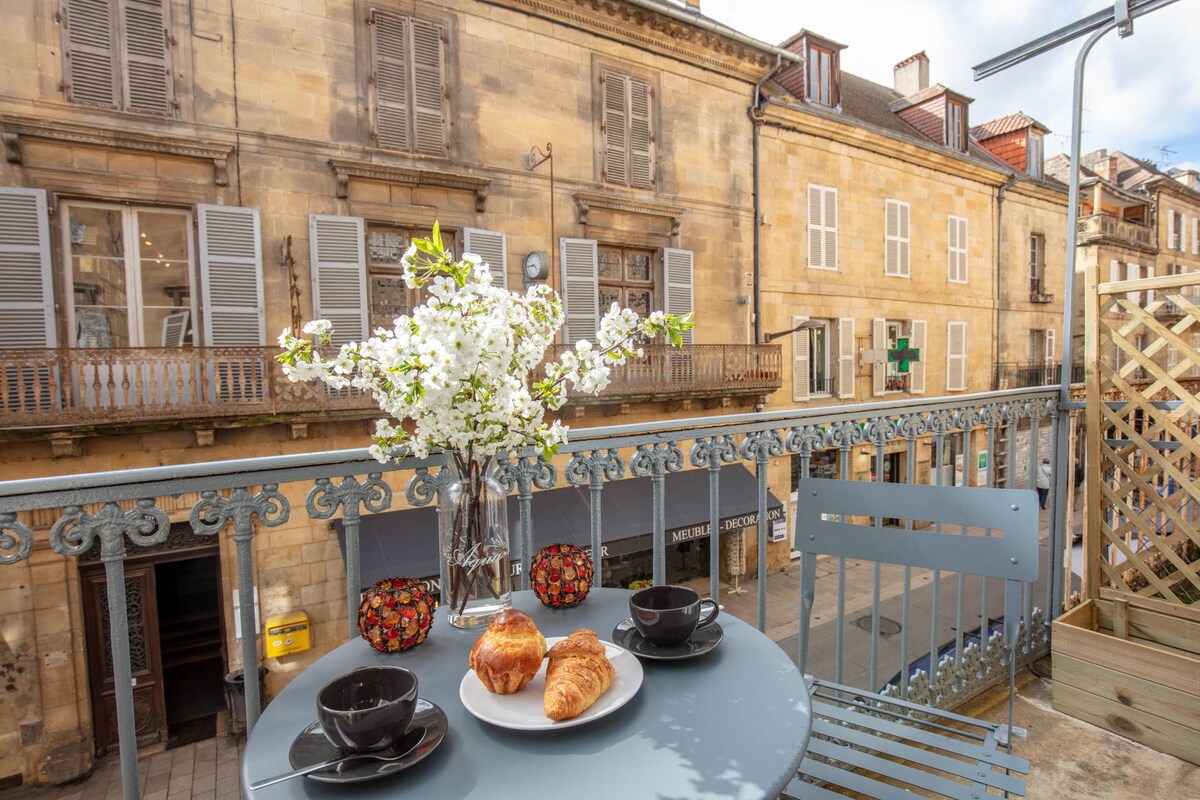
{"points": [[245, 495]]}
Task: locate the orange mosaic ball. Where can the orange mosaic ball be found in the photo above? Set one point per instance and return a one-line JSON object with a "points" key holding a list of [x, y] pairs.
{"points": [[396, 614], [561, 575]]}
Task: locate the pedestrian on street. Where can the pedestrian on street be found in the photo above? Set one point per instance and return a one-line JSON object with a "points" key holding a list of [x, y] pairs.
{"points": [[1043, 482]]}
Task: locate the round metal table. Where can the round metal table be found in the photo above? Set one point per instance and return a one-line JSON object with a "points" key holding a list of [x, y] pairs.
{"points": [[731, 723]]}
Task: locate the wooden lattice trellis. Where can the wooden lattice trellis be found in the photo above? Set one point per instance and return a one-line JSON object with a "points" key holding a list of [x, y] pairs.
{"points": [[1142, 352]]}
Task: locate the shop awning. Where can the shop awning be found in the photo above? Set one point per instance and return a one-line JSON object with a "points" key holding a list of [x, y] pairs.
{"points": [[406, 542]]}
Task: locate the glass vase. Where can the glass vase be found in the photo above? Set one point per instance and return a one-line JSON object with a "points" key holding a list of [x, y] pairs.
{"points": [[476, 574]]}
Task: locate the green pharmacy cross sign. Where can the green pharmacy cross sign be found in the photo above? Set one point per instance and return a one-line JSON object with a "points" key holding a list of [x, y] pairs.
{"points": [[903, 354]]}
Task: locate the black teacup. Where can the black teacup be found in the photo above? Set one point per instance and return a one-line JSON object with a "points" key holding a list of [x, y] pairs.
{"points": [[368, 709], [668, 615]]}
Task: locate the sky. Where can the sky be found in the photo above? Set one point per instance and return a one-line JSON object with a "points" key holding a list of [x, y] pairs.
{"points": [[1141, 94]]}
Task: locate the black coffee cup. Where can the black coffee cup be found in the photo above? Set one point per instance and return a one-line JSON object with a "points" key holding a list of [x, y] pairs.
{"points": [[368, 709], [668, 615]]}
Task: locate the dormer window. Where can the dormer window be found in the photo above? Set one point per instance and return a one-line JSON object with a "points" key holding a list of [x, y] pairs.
{"points": [[1033, 154], [816, 80], [822, 75], [956, 128]]}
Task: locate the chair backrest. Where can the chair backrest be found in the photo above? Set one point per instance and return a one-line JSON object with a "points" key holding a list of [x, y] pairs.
{"points": [[973, 531]]}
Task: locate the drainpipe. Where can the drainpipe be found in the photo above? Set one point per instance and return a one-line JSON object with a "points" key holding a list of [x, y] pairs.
{"points": [[999, 284], [755, 112]]}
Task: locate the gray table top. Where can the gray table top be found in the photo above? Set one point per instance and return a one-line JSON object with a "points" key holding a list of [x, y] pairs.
{"points": [[732, 723]]}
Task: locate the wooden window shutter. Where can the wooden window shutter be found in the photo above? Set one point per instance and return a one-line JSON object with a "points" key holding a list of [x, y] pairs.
{"points": [[956, 249], [904, 239], [831, 228], [816, 242], [896, 244], [615, 127], [429, 87], [26, 288], [1171, 242], [231, 276], [1148, 272], [1195, 236], [1114, 271], [389, 40], [956, 356], [492, 247], [339, 275], [144, 36], [90, 63], [879, 366], [678, 267], [916, 369], [845, 373], [963, 250], [1050, 346], [641, 134], [581, 302], [800, 358]]}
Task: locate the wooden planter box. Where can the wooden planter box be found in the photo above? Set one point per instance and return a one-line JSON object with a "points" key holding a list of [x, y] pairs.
{"points": [[1132, 666]]}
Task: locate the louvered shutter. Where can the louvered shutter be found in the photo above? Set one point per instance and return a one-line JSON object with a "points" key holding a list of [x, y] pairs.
{"points": [[231, 276], [831, 228], [1132, 273], [1114, 271], [641, 134], [891, 238], [916, 369], [579, 289], [845, 378], [1049, 349], [1171, 242], [148, 84], [26, 288], [678, 266], [389, 38], [801, 387], [816, 241], [956, 249], [1148, 272], [339, 275], [902, 215], [492, 247], [956, 356], [878, 365], [90, 63], [614, 126], [429, 87]]}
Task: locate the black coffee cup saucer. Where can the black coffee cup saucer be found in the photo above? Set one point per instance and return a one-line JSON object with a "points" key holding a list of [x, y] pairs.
{"points": [[626, 635], [424, 734]]}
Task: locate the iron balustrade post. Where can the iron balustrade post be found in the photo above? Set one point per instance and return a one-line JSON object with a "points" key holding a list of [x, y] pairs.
{"points": [[760, 446], [711, 452], [656, 461], [524, 473], [594, 469], [211, 515]]}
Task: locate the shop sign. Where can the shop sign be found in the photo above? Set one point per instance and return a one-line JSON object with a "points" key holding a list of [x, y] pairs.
{"points": [[701, 530]]}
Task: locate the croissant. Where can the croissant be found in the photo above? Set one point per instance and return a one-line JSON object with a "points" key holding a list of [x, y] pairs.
{"points": [[509, 653], [578, 673]]}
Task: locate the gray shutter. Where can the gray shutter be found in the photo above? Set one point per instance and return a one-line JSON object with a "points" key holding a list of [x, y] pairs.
{"points": [[90, 69], [339, 275], [26, 288], [816, 240], [956, 356], [916, 369], [962, 249], [231, 276], [1049, 347], [891, 237], [641, 134], [878, 367], [845, 377], [581, 301], [429, 88], [614, 127], [492, 247], [905, 241], [147, 79], [1172, 243], [389, 39], [951, 248], [801, 388], [831, 228], [678, 266]]}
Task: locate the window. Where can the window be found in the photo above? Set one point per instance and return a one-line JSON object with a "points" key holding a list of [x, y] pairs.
{"points": [[956, 250], [822, 227], [116, 54], [822, 76], [408, 83], [131, 277], [896, 242], [625, 278], [820, 381], [956, 356], [1037, 263], [896, 381], [1033, 154], [956, 118], [627, 130], [387, 296]]}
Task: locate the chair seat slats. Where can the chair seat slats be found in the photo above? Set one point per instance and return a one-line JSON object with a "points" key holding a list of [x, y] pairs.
{"points": [[858, 759]]}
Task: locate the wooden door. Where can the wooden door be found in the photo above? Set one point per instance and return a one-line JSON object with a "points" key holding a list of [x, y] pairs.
{"points": [[150, 719]]}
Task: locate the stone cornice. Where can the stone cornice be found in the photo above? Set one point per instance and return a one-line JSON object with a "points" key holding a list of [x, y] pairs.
{"points": [[346, 169], [14, 128], [647, 30], [585, 201]]}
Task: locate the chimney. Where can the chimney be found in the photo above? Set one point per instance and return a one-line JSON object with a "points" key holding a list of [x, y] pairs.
{"points": [[693, 5], [912, 75], [1107, 168], [1189, 178]]}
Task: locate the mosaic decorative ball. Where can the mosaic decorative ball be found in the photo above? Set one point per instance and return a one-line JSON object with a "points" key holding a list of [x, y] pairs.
{"points": [[561, 575], [396, 614]]}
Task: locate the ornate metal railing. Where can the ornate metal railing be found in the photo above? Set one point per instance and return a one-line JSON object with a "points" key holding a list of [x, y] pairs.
{"points": [[241, 498], [1107, 226]]}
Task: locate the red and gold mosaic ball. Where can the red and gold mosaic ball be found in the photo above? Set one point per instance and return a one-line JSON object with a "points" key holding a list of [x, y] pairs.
{"points": [[561, 575], [396, 614]]}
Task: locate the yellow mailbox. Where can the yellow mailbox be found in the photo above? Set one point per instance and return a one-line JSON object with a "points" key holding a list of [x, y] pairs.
{"points": [[288, 633]]}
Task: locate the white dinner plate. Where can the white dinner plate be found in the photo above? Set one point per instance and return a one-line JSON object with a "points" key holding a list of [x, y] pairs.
{"points": [[523, 710]]}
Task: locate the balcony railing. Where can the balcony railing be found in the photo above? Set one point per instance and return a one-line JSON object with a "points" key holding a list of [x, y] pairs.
{"points": [[1025, 376], [1037, 291], [94, 386], [1106, 226]]}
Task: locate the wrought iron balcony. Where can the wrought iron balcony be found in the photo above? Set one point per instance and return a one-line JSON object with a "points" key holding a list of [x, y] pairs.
{"points": [[1106, 226], [1024, 376]]}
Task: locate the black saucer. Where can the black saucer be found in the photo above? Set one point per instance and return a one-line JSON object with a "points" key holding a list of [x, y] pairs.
{"points": [[704, 639], [425, 733]]}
